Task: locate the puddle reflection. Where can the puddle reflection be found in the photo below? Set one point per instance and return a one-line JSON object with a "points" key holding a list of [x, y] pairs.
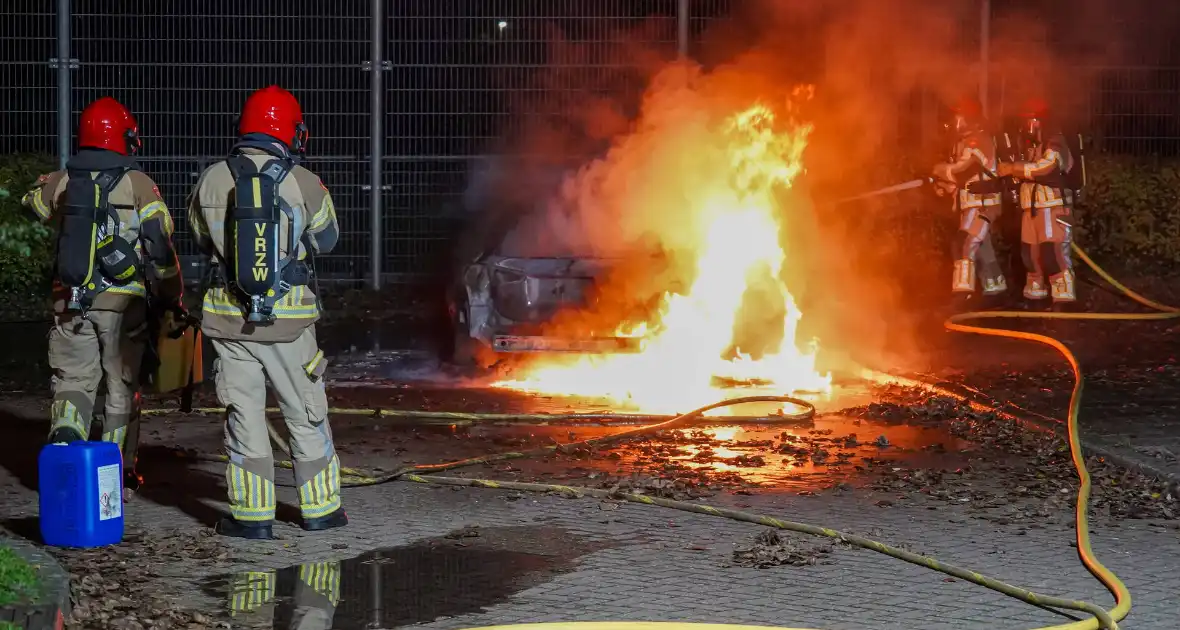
{"points": [[388, 588], [253, 600]]}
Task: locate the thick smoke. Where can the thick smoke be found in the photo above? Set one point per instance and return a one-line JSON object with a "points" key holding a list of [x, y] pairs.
{"points": [[604, 172]]}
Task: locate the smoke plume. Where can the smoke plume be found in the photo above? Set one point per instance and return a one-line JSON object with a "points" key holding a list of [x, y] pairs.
{"points": [[609, 167]]}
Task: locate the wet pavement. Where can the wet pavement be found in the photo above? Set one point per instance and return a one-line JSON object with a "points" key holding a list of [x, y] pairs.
{"points": [[833, 450], [461, 573], [924, 472]]}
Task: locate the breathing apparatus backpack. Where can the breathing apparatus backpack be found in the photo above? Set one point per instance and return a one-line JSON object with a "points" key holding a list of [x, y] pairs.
{"points": [[1074, 175], [255, 269], [91, 254]]}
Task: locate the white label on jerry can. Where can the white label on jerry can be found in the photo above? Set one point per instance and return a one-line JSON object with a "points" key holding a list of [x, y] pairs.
{"points": [[110, 492]]}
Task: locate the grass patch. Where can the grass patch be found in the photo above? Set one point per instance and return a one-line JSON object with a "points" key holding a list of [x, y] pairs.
{"points": [[19, 582]]}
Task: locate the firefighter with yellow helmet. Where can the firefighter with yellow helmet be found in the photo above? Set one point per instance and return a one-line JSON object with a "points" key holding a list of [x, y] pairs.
{"points": [[259, 215], [114, 242]]}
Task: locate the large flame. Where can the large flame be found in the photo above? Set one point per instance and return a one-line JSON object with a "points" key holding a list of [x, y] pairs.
{"points": [[687, 352]]}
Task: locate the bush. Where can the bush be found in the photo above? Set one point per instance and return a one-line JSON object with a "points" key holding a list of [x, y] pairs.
{"points": [[1131, 209], [26, 247]]}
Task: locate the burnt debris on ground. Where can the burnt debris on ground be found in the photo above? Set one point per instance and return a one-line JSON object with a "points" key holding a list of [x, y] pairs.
{"points": [[772, 548], [1038, 465], [140, 582], [957, 454]]}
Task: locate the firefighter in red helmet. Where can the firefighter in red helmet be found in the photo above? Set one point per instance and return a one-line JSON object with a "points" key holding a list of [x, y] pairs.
{"points": [[1046, 203], [972, 158], [114, 244], [259, 215]]}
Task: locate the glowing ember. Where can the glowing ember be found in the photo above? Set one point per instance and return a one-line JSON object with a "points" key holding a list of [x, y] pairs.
{"points": [[688, 353]]}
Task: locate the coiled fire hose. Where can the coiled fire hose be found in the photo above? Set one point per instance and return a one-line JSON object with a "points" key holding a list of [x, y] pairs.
{"points": [[1100, 617]]}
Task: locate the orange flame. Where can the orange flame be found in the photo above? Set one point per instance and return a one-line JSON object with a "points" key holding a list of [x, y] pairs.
{"points": [[731, 206]]}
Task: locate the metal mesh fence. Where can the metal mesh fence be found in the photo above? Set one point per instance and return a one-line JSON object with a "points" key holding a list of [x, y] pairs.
{"points": [[28, 110], [464, 82], [1110, 68], [466, 74], [185, 69]]}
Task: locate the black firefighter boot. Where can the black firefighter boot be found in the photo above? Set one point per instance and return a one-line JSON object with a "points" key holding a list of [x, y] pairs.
{"points": [[331, 521], [233, 528]]}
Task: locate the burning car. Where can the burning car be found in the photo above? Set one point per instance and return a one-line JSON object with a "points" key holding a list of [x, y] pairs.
{"points": [[500, 304], [701, 178], [510, 304]]}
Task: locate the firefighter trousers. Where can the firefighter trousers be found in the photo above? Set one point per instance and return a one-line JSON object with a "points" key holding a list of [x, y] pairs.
{"points": [[317, 593], [1046, 236], [100, 348], [294, 370], [976, 255]]}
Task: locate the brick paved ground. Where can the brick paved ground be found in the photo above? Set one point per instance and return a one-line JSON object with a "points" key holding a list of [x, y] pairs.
{"points": [[1132, 390], [643, 563]]}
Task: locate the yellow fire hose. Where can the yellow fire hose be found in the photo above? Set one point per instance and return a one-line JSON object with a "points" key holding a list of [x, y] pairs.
{"points": [[461, 418], [1100, 617], [1081, 517]]}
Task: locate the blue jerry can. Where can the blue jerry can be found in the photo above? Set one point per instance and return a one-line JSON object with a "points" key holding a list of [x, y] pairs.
{"points": [[81, 487]]}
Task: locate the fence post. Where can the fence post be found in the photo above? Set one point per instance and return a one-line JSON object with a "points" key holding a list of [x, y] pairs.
{"points": [[376, 144], [985, 36], [64, 93], [682, 14]]}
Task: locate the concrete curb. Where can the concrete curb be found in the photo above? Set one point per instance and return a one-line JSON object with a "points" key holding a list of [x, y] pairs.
{"points": [[1129, 459], [54, 607]]}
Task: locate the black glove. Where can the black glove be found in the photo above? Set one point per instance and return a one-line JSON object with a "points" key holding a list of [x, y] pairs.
{"points": [[178, 310]]}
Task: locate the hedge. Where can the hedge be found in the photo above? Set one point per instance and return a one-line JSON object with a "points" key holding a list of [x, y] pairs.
{"points": [[26, 248], [1131, 209]]}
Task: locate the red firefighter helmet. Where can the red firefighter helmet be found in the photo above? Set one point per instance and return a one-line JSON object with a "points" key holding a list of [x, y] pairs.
{"points": [[106, 124], [1033, 113], [1035, 107], [275, 112], [968, 107], [966, 116]]}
